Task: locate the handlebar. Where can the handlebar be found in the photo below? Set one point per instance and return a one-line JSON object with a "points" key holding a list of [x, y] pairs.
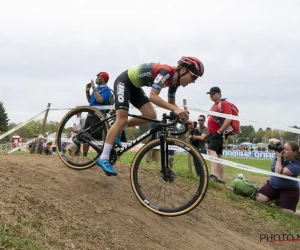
{"points": [[185, 124], [176, 120], [173, 117]]}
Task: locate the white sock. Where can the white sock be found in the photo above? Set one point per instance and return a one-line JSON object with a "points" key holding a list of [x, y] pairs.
{"points": [[106, 151]]}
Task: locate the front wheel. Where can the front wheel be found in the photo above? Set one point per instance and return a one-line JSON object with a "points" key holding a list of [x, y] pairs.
{"points": [[81, 156], [178, 195]]}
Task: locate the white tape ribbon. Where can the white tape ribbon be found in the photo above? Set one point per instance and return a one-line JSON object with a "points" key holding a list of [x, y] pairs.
{"points": [[238, 118], [246, 167]]}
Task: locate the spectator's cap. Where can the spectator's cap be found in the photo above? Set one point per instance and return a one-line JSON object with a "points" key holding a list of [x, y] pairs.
{"points": [[214, 90], [104, 75]]}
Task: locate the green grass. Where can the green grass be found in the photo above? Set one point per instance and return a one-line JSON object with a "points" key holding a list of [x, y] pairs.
{"points": [[250, 176], [281, 221], [127, 158], [13, 237], [277, 220]]}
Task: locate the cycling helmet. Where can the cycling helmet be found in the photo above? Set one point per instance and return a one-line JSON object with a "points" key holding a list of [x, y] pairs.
{"points": [[104, 75], [192, 64]]}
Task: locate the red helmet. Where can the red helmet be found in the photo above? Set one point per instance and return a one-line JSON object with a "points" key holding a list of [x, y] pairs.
{"points": [[193, 64], [104, 75]]}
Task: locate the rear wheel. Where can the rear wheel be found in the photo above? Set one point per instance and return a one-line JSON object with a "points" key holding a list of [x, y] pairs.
{"points": [[170, 196], [72, 154]]}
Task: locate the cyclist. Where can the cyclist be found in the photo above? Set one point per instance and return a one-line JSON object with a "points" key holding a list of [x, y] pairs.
{"points": [[127, 88]]}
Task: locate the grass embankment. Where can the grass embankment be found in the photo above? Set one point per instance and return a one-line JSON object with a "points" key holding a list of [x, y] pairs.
{"points": [[280, 221], [19, 232]]}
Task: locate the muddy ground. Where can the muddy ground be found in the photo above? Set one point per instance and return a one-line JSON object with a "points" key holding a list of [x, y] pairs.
{"points": [[71, 209]]}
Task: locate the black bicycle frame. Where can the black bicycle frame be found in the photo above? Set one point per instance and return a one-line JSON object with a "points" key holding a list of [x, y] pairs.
{"points": [[161, 126]]}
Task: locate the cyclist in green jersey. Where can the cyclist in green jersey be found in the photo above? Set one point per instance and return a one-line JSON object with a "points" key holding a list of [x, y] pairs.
{"points": [[127, 88]]}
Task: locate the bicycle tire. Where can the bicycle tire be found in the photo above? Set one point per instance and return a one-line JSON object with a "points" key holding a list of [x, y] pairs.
{"points": [[79, 161], [185, 182]]}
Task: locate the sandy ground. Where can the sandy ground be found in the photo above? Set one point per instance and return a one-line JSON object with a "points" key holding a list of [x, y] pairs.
{"points": [[71, 209]]}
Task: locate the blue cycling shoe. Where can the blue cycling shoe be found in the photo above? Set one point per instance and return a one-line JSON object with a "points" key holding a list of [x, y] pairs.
{"points": [[118, 140], [106, 166]]}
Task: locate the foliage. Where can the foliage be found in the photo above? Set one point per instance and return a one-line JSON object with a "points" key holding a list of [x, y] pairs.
{"points": [[245, 132], [13, 237], [3, 119], [143, 128], [248, 134], [132, 133], [33, 128], [291, 136]]}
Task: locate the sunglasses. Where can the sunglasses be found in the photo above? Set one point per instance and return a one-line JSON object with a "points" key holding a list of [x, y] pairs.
{"points": [[194, 77]]}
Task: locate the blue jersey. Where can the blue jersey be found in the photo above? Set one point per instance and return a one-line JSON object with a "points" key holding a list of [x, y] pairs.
{"points": [[104, 91], [277, 182]]}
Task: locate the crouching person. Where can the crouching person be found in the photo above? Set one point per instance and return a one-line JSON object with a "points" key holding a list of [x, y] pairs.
{"points": [[48, 148], [287, 162]]}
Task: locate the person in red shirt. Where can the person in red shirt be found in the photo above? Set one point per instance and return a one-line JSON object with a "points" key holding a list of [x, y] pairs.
{"points": [[217, 128]]}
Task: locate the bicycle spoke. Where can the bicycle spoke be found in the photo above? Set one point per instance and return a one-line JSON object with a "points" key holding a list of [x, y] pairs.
{"points": [[176, 196], [74, 152]]}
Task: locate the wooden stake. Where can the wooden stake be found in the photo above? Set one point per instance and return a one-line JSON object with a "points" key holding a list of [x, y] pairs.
{"points": [[187, 139], [42, 129]]}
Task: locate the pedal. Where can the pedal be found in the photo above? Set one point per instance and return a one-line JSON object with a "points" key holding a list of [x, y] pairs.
{"points": [[113, 157]]}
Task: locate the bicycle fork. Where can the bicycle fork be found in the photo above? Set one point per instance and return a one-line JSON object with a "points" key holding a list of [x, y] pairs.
{"points": [[166, 173]]}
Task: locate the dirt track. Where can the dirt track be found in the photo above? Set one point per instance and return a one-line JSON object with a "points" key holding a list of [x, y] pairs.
{"points": [[73, 209]]}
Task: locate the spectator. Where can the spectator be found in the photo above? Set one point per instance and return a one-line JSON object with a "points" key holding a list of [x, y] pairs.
{"points": [[32, 145], [48, 148], [217, 127], [198, 138], [287, 163], [153, 154], [75, 129], [200, 135], [99, 97]]}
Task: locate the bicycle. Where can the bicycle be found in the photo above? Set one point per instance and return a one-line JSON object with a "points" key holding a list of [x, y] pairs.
{"points": [[164, 190]]}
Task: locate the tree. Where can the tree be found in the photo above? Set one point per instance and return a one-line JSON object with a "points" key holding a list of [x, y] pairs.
{"points": [[259, 135], [33, 128], [3, 119], [143, 128], [132, 133], [245, 132], [289, 136]]}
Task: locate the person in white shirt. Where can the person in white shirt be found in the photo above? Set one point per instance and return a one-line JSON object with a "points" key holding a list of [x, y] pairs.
{"points": [[75, 129]]}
